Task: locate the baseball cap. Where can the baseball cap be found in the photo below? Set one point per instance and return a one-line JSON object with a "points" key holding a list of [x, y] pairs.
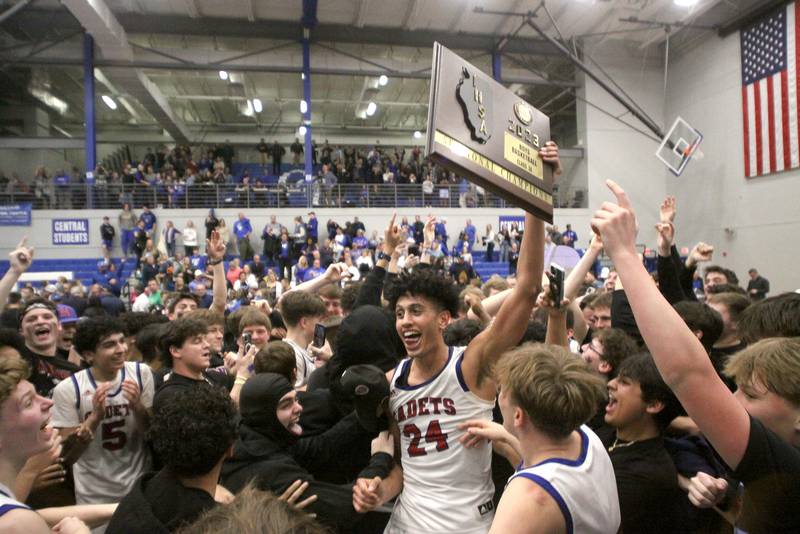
{"points": [[369, 389], [66, 314]]}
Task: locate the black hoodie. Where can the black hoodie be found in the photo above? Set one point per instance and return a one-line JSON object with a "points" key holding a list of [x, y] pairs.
{"points": [[274, 467], [158, 504]]}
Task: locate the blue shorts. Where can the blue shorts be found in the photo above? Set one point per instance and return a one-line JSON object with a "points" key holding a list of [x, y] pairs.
{"points": [[108, 244]]}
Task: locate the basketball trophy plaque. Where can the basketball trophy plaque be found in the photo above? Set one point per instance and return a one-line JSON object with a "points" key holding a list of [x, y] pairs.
{"points": [[482, 131]]}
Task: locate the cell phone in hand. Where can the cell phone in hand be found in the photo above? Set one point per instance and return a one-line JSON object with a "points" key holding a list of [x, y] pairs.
{"points": [[556, 284], [247, 339], [319, 335]]}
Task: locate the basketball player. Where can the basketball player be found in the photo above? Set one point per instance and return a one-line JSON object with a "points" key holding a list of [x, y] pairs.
{"points": [[565, 480], [25, 432], [106, 406], [445, 486]]}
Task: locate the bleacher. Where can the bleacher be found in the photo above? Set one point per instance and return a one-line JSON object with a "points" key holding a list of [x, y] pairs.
{"points": [[85, 269]]}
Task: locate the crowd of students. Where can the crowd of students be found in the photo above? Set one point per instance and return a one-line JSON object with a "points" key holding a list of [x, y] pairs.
{"points": [[410, 402]]}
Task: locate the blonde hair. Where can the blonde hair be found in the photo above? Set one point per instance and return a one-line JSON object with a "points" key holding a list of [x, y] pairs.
{"points": [[556, 389], [13, 370], [774, 362], [254, 511]]}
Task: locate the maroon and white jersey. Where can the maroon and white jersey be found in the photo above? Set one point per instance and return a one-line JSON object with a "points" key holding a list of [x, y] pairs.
{"points": [[446, 487], [117, 455]]}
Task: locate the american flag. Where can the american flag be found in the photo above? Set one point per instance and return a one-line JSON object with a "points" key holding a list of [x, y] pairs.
{"points": [[770, 61]]}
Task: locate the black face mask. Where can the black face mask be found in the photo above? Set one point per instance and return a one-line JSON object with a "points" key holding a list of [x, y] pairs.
{"points": [[258, 405]]}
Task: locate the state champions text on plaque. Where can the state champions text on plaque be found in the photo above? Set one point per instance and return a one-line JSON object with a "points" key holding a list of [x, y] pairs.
{"points": [[482, 131]]}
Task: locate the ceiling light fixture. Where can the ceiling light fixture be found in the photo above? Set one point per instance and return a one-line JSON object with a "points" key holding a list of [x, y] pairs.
{"points": [[685, 3], [223, 75], [257, 105], [303, 106], [383, 80], [372, 107], [417, 135], [109, 102], [302, 131]]}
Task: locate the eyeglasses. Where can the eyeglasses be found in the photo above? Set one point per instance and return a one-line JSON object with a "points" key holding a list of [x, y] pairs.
{"points": [[594, 349]]}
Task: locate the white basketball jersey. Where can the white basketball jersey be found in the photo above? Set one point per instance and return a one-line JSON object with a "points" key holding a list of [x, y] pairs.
{"points": [[117, 455], [446, 487], [585, 489], [305, 364], [8, 502]]}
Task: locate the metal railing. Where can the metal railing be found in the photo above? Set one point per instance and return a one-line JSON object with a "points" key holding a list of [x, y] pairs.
{"points": [[301, 195]]}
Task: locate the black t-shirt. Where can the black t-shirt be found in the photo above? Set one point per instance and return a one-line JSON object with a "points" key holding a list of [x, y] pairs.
{"points": [[47, 371], [770, 472], [647, 483], [173, 383]]}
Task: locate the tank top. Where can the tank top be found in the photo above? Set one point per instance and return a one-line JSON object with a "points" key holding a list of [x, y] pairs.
{"points": [[446, 487], [585, 489], [8, 502]]}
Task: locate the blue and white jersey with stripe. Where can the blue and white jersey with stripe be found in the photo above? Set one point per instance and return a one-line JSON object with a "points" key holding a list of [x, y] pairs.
{"points": [[585, 489], [8, 502], [117, 455], [446, 488]]}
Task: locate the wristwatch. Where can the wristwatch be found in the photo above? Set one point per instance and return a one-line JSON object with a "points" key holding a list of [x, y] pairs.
{"points": [[214, 262], [383, 256]]}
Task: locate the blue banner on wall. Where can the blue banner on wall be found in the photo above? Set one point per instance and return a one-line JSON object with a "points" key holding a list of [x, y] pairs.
{"points": [[506, 220], [70, 231], [15, 214]]}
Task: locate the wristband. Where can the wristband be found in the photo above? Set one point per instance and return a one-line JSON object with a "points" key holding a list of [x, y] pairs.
{"points": [[239, 380], [214, 262], [383, 256], [380, 465]]}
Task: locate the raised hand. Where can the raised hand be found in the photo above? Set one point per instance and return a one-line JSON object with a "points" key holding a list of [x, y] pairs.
{"points": [[616, 223], [666, 236], [215, 247], [700, 252], [394, 236], [549, 154], [429, 232], [20, 258], [667, 210], [335, 272]]}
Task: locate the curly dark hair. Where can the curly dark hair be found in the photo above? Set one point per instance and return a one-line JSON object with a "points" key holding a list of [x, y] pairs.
{"points": [[349, 296], [176, 335], [192, 431], [460, 333], [90, 332], [617, 346], [424, 283], [135, 321]]}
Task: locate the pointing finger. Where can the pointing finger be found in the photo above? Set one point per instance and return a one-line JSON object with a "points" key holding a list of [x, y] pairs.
{"points": [[23, 242], [622, 196]]}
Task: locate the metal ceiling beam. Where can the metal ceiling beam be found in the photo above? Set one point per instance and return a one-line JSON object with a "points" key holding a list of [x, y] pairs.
{"points": [[158, 65], [33, 20], [250, 10], [8, 13], [361, 14], [409, 19]]}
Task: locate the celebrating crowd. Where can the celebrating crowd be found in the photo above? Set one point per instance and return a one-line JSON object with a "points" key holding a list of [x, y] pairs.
{"points": [[414, 399]]}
